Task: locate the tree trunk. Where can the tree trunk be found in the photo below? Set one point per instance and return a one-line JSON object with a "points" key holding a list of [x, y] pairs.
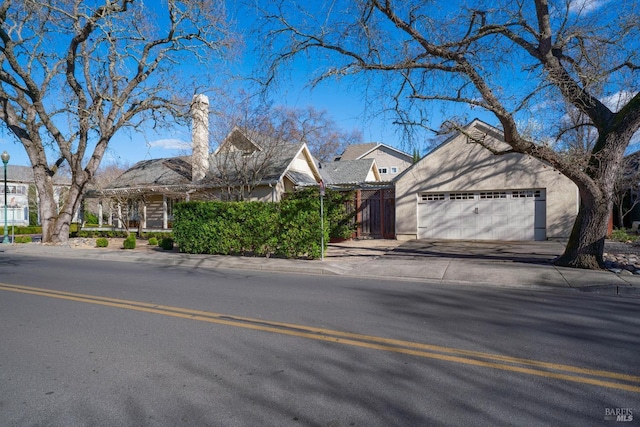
{"points": [[585, 247], [56, 221]]}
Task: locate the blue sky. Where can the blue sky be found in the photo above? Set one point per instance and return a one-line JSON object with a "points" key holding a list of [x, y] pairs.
{"points": [[345, 104]]}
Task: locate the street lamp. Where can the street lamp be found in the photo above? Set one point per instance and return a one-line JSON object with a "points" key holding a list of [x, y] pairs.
{"points": [[5, 159]]}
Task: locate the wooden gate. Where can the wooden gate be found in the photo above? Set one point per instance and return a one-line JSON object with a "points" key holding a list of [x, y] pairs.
{"points": [[377, 213]]}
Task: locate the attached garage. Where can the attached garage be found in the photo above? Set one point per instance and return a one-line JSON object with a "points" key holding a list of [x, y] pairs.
{"points": [[462, 191], [483, 215]]}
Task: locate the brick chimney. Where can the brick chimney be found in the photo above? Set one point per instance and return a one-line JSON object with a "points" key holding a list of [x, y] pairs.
{"points": [[199, 137]]}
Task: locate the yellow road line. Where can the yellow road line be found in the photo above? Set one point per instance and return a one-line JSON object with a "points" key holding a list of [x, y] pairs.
{"points": [[495, 361]]}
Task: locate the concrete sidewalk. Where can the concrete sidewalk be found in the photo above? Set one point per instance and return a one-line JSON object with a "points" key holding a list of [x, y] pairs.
{"points": [[523, 265]]}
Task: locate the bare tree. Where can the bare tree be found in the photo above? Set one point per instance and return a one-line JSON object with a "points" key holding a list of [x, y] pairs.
{"points": [[73, 73], [246, 160], [320, 132], [515, 59], [265, 137], [101, 180]]}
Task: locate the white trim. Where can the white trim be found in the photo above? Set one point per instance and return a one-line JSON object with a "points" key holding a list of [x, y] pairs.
{"points": [[379, 144]]}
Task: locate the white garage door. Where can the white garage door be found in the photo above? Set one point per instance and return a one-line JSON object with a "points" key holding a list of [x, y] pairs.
{"points": [[483, 215]]}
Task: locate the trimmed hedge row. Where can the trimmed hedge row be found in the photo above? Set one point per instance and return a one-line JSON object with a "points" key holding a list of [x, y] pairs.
{"points": [[22, 230], [290, 228], [119, 233]]}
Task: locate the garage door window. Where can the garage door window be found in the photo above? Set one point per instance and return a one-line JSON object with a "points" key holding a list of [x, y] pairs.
{"points": [[493, 195], [526, 194], [432, 197], [461, 196]]}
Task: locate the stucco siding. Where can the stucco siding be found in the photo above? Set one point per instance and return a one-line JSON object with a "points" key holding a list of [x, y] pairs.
{"points": [[462, 166], [264, 193], [301, 164], [387, 159]]}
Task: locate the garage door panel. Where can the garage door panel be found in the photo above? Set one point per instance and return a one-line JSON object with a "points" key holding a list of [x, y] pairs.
{"points": [[505, 215]]}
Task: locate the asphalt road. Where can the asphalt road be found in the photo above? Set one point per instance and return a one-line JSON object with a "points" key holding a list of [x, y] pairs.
{"points": [[97, 343]]}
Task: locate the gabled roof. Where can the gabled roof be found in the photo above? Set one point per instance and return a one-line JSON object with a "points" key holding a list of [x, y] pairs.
{"points": [[270, 165], [475, 128], [266, 160], [155, 173], [358, 151], [348, 171], [24, 174]]}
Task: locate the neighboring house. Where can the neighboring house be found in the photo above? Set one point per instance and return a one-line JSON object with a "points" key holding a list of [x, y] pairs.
{"points": [[349, 173], [462, 191], [246, 166], [19, 180], [390, 161]]}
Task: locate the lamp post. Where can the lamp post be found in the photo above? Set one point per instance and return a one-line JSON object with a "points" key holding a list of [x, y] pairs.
{"points": [[5, 159], [322, 191]]}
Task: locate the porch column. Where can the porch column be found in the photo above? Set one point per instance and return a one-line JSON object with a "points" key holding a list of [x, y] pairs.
{"points": [[110, 218], [165, 216], [100, 213], [119, 219], [143, 220], [359, 212]]}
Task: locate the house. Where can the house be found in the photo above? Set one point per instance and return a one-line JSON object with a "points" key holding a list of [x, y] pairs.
{"points": [[21, 194], [390, 161], [246, 166], [463, 191]]}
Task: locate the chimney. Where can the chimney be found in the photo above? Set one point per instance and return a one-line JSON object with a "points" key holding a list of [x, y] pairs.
{"points": [[199, 137]]}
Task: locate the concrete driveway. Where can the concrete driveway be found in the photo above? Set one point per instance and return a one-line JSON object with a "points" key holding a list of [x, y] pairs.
{"points": [[524, 252]]}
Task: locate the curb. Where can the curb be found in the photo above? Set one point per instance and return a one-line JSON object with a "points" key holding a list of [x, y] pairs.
{"points": [[623, 291], [335, 269]]}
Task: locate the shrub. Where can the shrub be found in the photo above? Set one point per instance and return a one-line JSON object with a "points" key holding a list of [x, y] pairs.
{"points": [[290, 228], [153, 241], [22, 230], [22, 239], [339, 214], [621, 235], [101, 242], [129, 242], [90, 218], [166, 243]]}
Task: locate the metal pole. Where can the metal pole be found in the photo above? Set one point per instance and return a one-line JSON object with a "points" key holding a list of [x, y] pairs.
{"points": [[321, 229], [321, 221], [5, 160]]}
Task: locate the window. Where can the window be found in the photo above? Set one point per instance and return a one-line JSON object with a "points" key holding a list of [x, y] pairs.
{"points": [[493, 195], [382, 170], [13, 189], [526, 194], [461, 196], [432, 197], [394, 169]]}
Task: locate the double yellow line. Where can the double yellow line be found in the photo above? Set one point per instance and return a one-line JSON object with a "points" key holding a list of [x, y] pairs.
{"points": [[576, 374]]}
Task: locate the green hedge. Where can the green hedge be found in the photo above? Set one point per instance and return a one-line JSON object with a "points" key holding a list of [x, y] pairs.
{"points": [[22, 230], [99, 233], [22, 239], [290, 228], [341, 223]]}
